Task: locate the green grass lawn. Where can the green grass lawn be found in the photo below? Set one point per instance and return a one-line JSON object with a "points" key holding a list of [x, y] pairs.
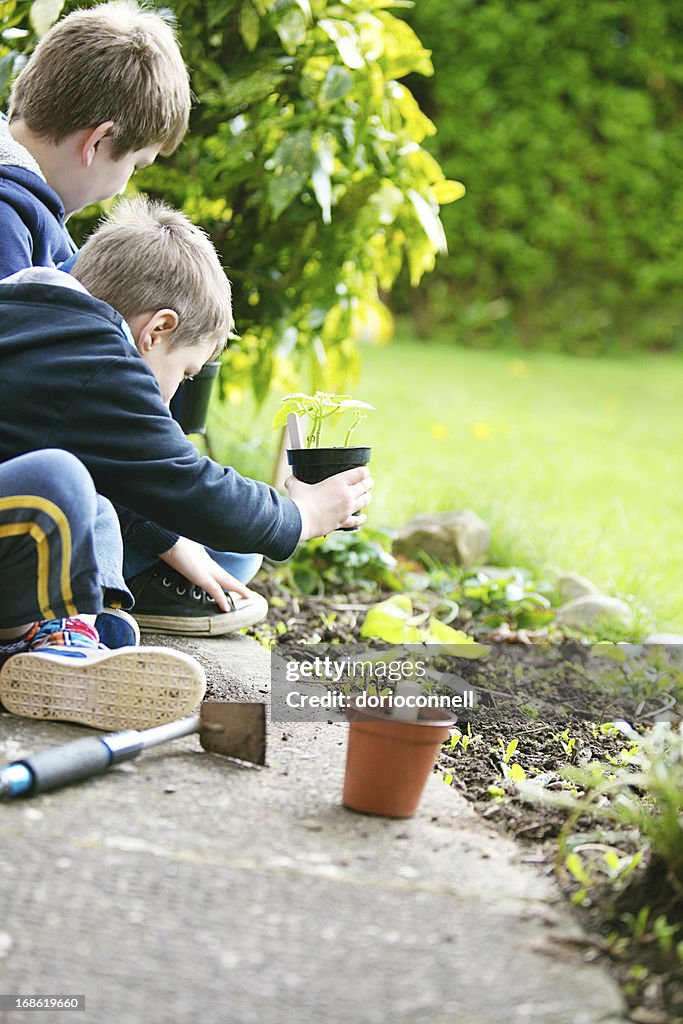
{"points": [[574, 463]]}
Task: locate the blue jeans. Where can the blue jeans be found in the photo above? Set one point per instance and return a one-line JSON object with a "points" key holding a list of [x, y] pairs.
{"points": [[60, 542], [137, 558]]}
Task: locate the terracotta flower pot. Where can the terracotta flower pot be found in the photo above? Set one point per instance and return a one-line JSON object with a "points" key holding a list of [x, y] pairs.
{"points": [[388, 761], [190, 404]]}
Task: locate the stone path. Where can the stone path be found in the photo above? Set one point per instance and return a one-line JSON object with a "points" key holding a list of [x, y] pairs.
{"points": [[184, 888]]}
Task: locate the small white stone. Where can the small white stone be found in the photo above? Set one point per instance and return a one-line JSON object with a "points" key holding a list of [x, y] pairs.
{"points": [[591, 611], [570, 585]]}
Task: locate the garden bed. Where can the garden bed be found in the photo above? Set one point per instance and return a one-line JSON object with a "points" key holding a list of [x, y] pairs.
{"points": [[631, 908]]}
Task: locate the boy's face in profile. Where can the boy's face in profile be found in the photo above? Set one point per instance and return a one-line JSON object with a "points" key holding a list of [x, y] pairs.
{"points": [[105, 177], [171, 365]]}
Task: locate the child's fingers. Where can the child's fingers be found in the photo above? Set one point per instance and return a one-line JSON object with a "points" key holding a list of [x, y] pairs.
{"points": [[214, 590], [228, 582], [363, 487], [362, 494], [355, 476], [354, 521]]}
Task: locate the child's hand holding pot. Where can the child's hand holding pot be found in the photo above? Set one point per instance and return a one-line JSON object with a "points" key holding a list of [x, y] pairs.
{"points": [[330, 504]]}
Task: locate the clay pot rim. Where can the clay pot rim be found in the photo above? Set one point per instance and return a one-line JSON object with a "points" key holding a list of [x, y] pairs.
{"points": [[430, 717]]}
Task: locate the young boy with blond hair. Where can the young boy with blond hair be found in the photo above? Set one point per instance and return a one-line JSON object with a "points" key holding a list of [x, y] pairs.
{"points": [[104, 92], [88, 363]]}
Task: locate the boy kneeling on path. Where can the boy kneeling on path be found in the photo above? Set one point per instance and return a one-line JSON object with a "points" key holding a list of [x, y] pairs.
{"points": [[104, 92], [88, 362]]}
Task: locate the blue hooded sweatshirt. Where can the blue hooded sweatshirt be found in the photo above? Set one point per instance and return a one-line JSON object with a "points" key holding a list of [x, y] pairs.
{"points": [[32, 229], [71, 379]]}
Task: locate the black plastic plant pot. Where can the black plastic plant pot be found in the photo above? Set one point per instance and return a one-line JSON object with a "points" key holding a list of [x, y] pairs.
{"points": [[311, 465], [190, 404]]}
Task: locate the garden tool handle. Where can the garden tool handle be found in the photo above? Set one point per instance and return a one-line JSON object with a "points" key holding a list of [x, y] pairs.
{"points": [[70, 762]]}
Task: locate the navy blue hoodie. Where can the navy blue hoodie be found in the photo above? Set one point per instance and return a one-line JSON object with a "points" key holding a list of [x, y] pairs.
{"points": [[32, 229], [71, 379]]}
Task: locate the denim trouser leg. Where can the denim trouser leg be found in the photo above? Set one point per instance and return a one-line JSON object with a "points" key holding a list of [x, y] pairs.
{"points": [[48, 561], [242, 567], [137, 558], [109, 554]]}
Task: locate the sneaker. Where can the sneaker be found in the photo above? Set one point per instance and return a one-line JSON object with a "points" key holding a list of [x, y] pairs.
{"points": [[131, 688], [117, 628], [165, 602]]}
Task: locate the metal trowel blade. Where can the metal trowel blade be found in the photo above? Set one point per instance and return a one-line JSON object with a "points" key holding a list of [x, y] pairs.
{"points": [[234, 729]]}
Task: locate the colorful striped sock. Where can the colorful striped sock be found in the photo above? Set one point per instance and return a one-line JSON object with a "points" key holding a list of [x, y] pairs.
{"points": [[70, 637]]}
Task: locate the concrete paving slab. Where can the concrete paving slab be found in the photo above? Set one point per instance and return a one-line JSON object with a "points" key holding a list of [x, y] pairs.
{"points": [[185, 888]]}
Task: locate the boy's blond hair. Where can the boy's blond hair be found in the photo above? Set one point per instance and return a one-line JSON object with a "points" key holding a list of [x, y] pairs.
{"points": [[115, 62], [145, 257]]}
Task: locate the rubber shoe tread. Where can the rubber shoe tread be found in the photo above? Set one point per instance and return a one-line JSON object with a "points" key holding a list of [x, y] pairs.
{"points": [[130, 688]]}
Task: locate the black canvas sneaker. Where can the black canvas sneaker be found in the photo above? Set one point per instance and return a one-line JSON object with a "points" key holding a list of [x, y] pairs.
{"points": [[166, 602]]}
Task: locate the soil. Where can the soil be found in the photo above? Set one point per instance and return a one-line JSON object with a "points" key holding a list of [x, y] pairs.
{"points": [[553, 729]]}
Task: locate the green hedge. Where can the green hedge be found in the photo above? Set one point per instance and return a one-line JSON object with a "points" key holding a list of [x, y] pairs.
{"points": [[564, 122]]}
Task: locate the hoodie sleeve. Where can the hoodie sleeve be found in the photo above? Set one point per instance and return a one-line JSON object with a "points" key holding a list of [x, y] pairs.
{"points": [[153, 536], [16, 251], [139, 457]]}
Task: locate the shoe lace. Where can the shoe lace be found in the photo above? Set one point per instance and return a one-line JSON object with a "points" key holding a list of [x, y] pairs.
{"points": [[196, 592]]}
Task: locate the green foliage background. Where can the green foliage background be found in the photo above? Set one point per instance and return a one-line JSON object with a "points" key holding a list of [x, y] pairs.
{"points": [[564, 122], [307, 152], [304, 163]]}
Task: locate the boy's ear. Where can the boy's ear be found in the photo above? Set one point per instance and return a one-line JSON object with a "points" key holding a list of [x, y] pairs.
{"points": [[91, 139], [152, 328]]}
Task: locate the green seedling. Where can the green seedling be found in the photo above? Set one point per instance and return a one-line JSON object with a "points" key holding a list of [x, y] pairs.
{"points": [[643, 929], [319, 407], [459, 739], [508, 750], [665, 933], [514, 772], [567, 742], [637, 923]]}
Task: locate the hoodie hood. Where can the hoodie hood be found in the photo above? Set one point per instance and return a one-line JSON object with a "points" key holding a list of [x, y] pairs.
{"points": [[32, 226], [45, 275], [13, 154]]}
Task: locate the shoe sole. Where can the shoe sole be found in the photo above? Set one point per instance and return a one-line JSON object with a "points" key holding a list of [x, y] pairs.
{"points": [[131, 688], [205, 625]]}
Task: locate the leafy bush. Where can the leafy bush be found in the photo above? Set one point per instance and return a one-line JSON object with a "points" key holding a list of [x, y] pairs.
{"points": [[342, 562], [563, 122], [514, 599], [303, 162]]}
